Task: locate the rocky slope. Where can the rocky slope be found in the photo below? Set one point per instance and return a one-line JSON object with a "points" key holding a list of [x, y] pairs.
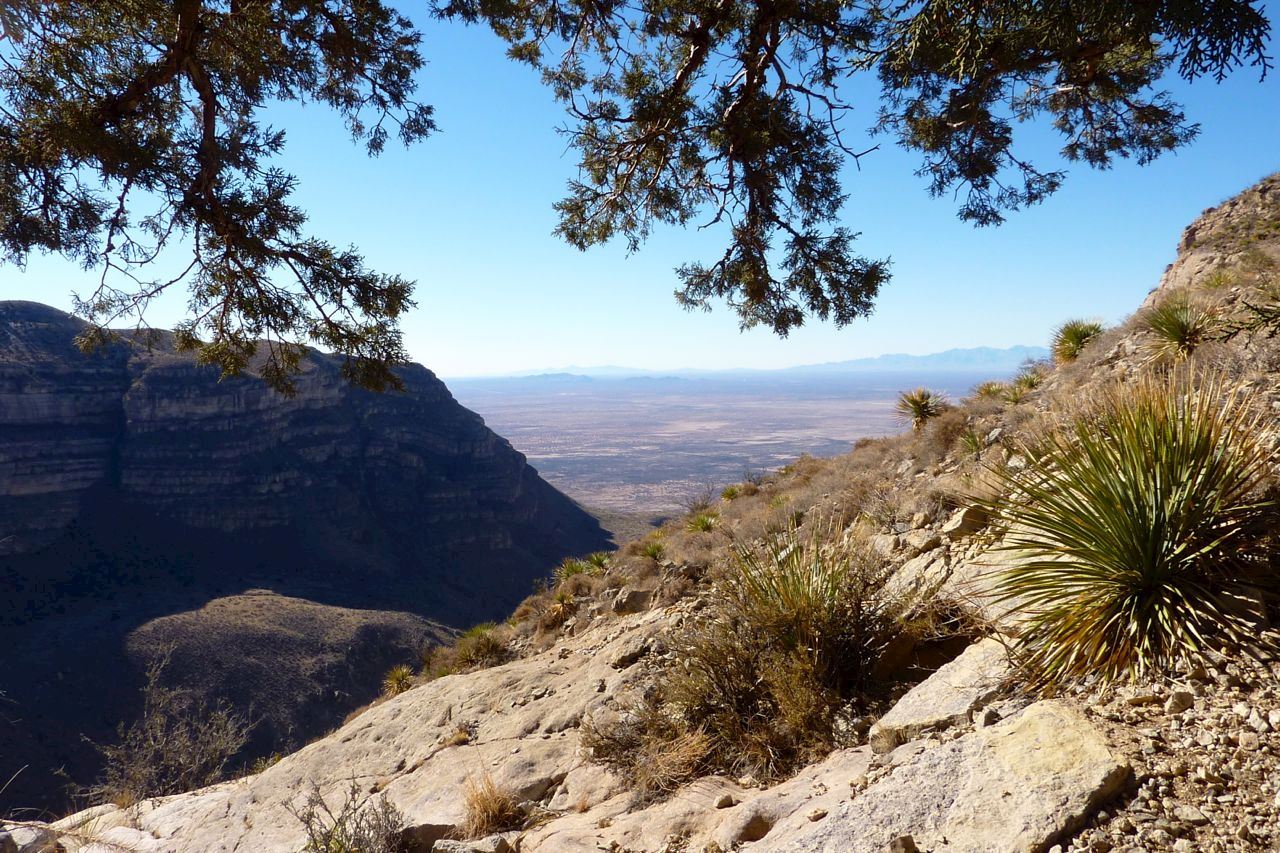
{"points": [[960, 760], [141, 500]]}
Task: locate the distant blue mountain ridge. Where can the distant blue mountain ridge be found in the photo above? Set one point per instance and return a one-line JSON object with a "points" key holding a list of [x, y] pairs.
{"points": [[970, 360]]}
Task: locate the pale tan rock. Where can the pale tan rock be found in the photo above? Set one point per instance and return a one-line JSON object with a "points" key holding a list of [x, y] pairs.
{"points": [[1012, 788], [946, 698]]}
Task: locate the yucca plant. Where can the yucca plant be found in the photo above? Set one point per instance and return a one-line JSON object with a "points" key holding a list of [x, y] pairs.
{"points": [[918, 407], [1070, 339], [703, 522], [653, 549], [972, 442], [397, 680], [569, 568], [1178, 327], [1136, 529], [597, 562], [730, 493], [989, 390]]}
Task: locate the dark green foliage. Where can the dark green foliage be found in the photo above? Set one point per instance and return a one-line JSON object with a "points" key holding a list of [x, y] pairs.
{"points": [[132, 126], [735, 113], [1138, 533]]}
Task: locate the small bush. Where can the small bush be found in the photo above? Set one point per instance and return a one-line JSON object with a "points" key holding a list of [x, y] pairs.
{"points": [[362, 824], [180, 743], [653, 549], [489, 808], [1178, 327], [972, 442], [703, 522], [990, 390], [793, 636], [1070, 339], [569, 568], [1139, 527], [919, 406], [397, 680], [598, 562], [730, 493], [479, 647]]}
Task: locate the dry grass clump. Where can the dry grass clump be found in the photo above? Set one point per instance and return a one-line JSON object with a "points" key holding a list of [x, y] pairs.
{"points": [[478, 647], [1141, 532], [790, 643], [489, 808]]}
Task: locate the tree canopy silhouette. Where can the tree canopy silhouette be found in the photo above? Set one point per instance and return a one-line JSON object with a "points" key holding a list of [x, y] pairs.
{"points": [[132, 127]]}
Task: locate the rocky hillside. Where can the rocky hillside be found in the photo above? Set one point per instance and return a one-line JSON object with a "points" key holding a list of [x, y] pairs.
{"points": [[147, 508], [578, 730]]}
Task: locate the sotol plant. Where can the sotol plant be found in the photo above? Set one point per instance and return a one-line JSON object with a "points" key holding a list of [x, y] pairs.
{"points": [[1137, 529], [918, 407], [1070, 339], [397, 680], [1178, 326]]}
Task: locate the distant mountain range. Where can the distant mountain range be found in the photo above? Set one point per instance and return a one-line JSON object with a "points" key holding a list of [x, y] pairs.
{"points": [[971, 360]]}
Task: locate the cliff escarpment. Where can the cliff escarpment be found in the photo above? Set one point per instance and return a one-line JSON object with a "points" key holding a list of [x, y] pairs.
{"points": [[147, 507]]}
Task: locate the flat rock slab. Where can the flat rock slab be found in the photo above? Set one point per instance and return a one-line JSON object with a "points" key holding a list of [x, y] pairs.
{"points": [[1015, 787], [945, 698]]}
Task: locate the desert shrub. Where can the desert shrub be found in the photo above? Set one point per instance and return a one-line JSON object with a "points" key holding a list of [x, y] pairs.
{"points": [[919, 406], [702, 499], [1070, 339], [561, 608], [989, 390], [362, 824], [598, 562], [972, 441], [648, 748], [178, 744], [703, 522], [653, 549], [1178, 326], [397, 680], [479, 647], [942, 433], [489, 808], [790, 642], [1137, 525], [1031, 376], [729, 493], [571, 567]]}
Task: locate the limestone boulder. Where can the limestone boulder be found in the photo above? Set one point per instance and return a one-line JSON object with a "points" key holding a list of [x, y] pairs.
{"points": [[1015, 787], [945, 698]]}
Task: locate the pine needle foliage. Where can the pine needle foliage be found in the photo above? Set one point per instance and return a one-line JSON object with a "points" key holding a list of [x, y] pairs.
{"points": [[1070, 339], [918, 407], [1137, 528]]}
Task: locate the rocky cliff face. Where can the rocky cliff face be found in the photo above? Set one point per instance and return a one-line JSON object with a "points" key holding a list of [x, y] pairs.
{"points": [[134, 486]]}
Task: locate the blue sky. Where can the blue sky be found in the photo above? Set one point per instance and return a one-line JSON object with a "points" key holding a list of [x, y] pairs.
{"points": [[467, 214]]}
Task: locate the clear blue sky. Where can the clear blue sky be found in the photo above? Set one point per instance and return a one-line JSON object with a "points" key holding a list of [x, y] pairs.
{"points": [[468, 214]]}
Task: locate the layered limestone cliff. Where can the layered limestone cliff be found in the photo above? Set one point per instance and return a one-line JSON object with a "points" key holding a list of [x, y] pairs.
{"points": [[142, 499]]}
